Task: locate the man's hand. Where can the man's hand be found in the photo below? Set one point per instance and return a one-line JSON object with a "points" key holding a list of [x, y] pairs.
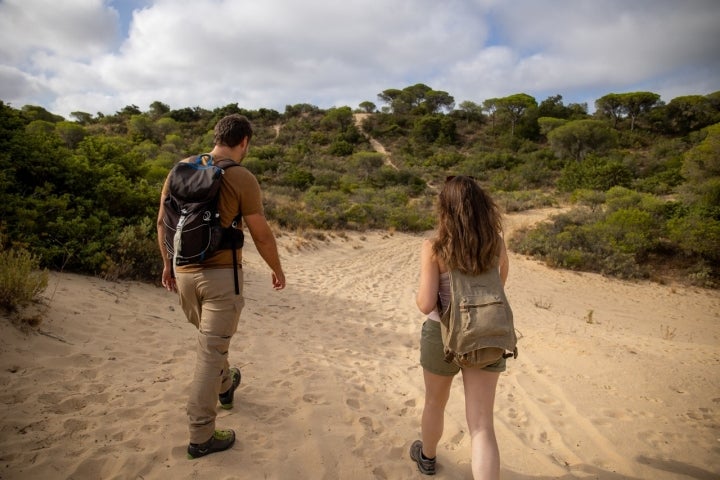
{"points": [[168, 281], [278, 280], [266, 246]]}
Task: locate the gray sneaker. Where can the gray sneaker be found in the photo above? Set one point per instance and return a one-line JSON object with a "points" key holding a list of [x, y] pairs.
{"points": [[425, 465]]}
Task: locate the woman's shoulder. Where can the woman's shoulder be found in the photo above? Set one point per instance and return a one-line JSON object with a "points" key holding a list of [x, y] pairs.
{"points": [[428, 245], [428, 249]]}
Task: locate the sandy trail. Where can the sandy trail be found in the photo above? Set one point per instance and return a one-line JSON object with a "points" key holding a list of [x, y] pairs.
{"points": [[615, 380]]}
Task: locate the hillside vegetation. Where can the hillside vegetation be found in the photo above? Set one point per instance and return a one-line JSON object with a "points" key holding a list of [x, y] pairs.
{"points": [[642, 177]]}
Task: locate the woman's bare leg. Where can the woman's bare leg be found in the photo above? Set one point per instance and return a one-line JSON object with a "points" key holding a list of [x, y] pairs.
{"points": [[437, 392], [479, 403]]}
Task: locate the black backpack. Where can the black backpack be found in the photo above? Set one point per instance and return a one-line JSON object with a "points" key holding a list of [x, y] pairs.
{"points": [[191, 218]]}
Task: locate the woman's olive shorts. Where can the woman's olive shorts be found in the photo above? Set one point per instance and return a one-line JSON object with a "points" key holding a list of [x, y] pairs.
{"points": [[432, 356]]}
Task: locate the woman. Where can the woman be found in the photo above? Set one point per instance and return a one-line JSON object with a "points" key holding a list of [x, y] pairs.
{"points": [[468, 238]]}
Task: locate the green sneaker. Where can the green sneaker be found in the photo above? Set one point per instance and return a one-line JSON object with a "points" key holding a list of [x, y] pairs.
{"points": [[221, 440], [226, 399]]}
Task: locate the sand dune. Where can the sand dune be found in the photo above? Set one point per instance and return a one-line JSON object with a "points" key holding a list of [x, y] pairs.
{"points": [[615, 380]]}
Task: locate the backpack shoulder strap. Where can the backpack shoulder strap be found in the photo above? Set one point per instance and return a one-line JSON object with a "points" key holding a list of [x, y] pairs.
{"points": [[206, 159], [226, 163]]}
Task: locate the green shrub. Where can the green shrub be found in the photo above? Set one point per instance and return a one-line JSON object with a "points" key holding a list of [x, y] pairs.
{"points": [[404, 219], [295, 177], [444, 159], [531, 241], [594, 173], [533, 174], [628, 230], [326, 208], [359, 215], [136, 255], [386, 177], [573, 259], [341, 148], [328, 179], [266, 152], [21, 281], [588, 241], [697, 234], [261, 166], [592, 199], [518, 201]]}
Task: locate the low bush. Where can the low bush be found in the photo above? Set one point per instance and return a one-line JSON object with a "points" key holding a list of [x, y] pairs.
{"points": [[21, 280], [136, 254]]}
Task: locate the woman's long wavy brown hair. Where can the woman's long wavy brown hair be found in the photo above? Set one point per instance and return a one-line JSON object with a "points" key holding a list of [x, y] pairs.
{"points": [[469, 227]]}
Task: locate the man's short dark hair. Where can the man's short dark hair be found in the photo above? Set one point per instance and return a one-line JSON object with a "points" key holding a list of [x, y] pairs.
{"points": [[232, 130]]}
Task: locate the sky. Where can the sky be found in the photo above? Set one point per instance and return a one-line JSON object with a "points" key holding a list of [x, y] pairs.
{"points": [[98, 56]]}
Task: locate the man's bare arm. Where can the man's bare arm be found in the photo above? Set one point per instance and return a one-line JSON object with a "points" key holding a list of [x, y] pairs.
{"points": [[266, 246]]}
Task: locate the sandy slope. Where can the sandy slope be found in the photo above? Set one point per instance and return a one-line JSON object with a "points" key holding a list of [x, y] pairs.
{"points": [[614, 380]]}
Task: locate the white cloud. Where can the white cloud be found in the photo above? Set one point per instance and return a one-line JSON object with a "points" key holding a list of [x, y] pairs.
{"points": [[610, 44], [75, 29], [18, 84], [270, 53]]}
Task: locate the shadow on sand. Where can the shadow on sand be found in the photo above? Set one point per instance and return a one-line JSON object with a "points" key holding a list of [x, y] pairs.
{"points": [[589, 471]]}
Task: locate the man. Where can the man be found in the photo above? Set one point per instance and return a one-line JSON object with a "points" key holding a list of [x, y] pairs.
{"points": [[207, 290]]}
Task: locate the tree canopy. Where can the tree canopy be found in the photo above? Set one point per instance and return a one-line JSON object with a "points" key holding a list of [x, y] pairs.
{"points": [[417, 99]]}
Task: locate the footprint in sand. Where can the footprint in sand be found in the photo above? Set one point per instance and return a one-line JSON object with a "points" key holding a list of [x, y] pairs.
{"points": [[313, 399], [623, 415], [701, 414], [150, 428], [367, 422], [455, 440], [548, 400], [69, 406], [73, 425], [518, 418]]}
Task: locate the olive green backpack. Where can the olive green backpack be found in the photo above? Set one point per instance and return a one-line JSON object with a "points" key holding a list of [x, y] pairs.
{"points": [[477, 328]]}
